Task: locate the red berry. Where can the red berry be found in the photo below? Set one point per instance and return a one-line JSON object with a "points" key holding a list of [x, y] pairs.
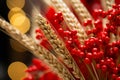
{"points": [[98, 66], [118, 78], [81, 54], [115, 70], [39, 36], [89, 21], [102, 62], [32, 68], [73, 32], [115, 49], [67, 33], [60, 30], [89, 55], [74, 51], [104, 14], [104, 68], [38, 30], [114, 76], [95, 50], [112, 64], [95, 55], [87, 60], [29, 77], [40, 65]]}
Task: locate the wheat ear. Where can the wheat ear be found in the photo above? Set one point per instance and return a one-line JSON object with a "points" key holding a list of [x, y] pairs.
{"points": [[81, 12], [38, 51], [109, 3], [70, 19], [58, 46]]}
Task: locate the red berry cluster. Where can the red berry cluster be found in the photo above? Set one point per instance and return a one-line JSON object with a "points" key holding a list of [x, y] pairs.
{"points": [[42, 39], [99, 48], [40, 71], [112, 15], [68, 36], [91, 5]]}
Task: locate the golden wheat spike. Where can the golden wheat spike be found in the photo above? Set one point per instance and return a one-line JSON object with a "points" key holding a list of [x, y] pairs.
{"points": [[81, 12], [70, 19], [38, 51], [58, 46]]}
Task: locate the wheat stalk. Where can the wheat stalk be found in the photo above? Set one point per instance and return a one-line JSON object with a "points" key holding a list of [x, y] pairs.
{"points": [[70, 19], [38, 51], [58, 46]]}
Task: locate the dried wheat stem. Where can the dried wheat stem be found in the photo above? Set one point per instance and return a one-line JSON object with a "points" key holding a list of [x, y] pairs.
{"points": [[81, 12], [70, 19], [38, 51], [58, 45]]}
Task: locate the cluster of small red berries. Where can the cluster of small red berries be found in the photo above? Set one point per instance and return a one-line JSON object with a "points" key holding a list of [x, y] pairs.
{"points": [[39, 71], [113, 16], [107, 60], [42, 39], [91, 5], [69, 37], [98, 47]]}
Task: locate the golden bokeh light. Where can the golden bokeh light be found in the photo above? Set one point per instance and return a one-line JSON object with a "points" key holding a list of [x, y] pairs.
{"points": [[14, 11], [21, 22], [16, 70], [15, 3]]}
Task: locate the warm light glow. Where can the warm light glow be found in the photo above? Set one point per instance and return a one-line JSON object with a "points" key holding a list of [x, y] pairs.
{"points": [[14, 11], [21, 22], [15, 3], [16, 70]]}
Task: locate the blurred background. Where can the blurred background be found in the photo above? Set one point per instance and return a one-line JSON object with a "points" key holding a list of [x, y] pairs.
{"points": [[10, 52], [7, 53]]}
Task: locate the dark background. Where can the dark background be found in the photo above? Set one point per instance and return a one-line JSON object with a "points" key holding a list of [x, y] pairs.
{"points": [[7, 55]]}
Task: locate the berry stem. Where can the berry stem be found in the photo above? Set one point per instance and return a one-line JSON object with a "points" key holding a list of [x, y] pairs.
{"points": [[95, 71], [91, 73]]}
